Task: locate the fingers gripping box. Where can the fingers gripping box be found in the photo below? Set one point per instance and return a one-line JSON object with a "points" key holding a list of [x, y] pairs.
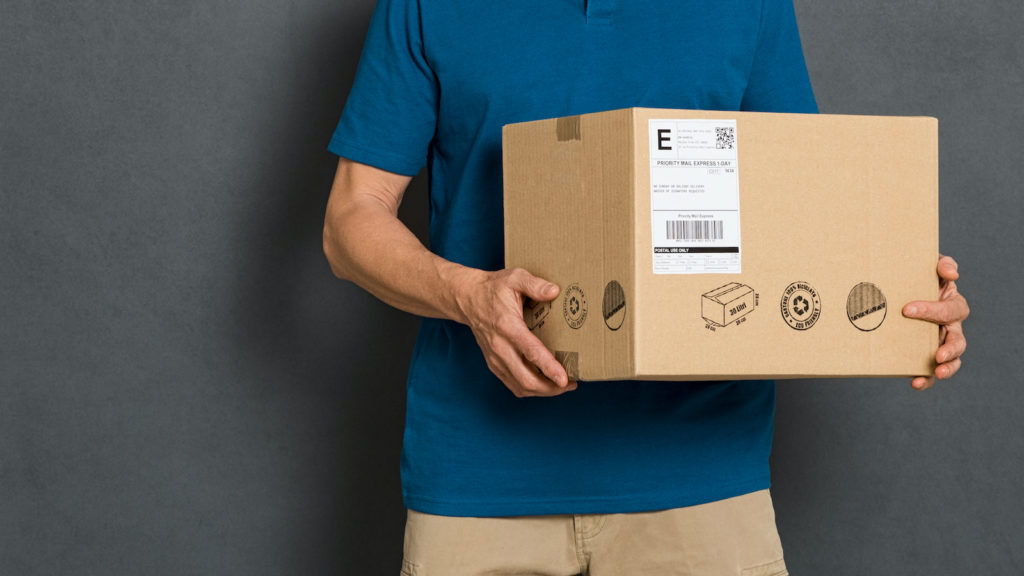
{"points": [[716, 245]]}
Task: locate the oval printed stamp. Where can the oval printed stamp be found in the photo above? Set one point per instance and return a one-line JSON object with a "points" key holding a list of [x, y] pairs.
{"points": [[801, 306], [574, 306], [865, 306], [613, 307]]}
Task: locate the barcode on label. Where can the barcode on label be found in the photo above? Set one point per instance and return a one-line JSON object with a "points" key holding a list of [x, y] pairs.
{"points": [[693, 229]]}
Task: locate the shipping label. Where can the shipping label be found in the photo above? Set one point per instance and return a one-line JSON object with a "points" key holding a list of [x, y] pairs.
{"points": [[695, 197]]}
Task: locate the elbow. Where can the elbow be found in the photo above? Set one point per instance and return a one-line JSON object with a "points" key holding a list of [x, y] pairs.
{"points": [[333, 252]]}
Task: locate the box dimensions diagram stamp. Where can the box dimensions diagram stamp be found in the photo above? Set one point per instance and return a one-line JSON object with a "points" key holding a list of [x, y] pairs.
{"points": [[727, 304]]}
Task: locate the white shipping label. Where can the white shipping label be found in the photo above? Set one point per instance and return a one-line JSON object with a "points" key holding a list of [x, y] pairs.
{"points": [[695, 197]]}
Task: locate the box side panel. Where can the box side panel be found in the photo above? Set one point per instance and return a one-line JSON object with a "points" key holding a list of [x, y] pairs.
{"points": [[930, 216], [543, 207], [610, 174], [564, 194], [834, 210]]}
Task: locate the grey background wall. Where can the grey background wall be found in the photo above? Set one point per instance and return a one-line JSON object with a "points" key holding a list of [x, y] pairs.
{"points": [[186, 389]]}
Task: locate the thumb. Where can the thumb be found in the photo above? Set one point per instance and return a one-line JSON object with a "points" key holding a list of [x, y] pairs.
{"points": [[535, 288]]}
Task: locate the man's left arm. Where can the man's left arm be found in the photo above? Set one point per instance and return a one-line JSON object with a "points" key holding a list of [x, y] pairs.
{"points": [[949, 312]]}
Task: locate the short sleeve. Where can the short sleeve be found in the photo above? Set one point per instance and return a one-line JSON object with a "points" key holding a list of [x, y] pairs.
{"points": [[391, 113], [778, 77]]}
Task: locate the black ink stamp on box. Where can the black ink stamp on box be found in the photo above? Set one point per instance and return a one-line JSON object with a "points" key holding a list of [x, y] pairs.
{"points": [[534, 313], [800, 305], [727, 304], [613, 307], [574, 306], [866, 307]]}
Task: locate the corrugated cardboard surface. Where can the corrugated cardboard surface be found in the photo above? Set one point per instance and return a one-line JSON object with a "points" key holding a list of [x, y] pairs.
{"points": [[827, 204], [575, 223]]}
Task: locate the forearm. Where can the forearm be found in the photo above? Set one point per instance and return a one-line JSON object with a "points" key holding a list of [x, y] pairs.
{"points": [[366, 243]]}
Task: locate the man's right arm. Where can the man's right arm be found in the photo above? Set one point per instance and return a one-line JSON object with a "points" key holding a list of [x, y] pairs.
{"points": [[365, 242]]}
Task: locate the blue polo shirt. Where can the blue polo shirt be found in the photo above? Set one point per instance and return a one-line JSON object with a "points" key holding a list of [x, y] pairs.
{"points": [[436, 82]]}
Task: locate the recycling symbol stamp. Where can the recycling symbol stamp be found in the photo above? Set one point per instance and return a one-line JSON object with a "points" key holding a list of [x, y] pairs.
{"points": [[800, 305], [574, 306]]}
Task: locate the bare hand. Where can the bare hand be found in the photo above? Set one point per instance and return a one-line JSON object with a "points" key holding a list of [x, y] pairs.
{"points": [[493, 308], [949, 313]]}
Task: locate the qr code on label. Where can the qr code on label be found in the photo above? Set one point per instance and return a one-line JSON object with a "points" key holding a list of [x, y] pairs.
{"points": [[726, 137]]}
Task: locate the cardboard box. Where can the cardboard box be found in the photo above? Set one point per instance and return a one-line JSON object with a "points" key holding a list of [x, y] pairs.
{"points": [[717, 245]]}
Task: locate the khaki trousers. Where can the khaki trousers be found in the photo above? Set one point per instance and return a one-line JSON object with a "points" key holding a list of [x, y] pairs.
{"points": [[732, 537]]}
